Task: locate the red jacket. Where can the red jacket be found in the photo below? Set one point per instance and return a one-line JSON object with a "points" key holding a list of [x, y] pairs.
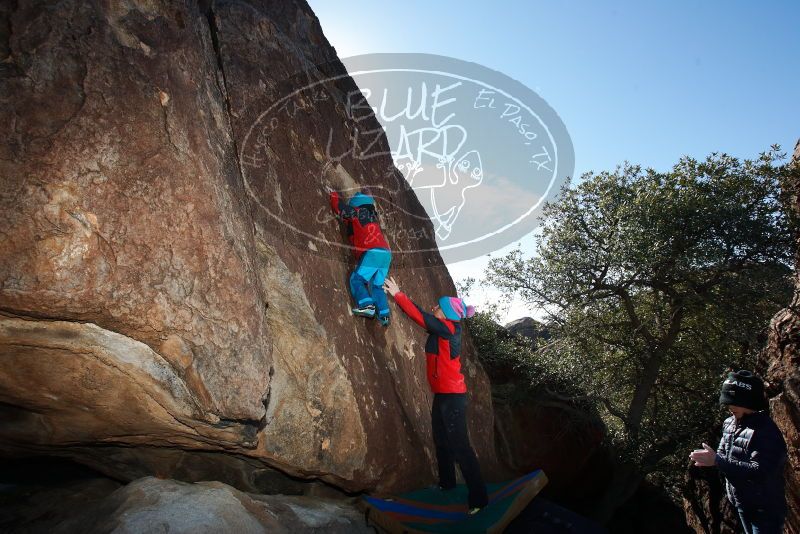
{"points": [[363, 229], [442, 349]]}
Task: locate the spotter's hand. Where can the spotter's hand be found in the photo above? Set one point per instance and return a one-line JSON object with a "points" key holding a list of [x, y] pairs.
{"points": [[705, 457], [391, 286]]}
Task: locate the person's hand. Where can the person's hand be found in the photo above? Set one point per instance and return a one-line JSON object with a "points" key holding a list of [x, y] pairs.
{"points": [[391, 286], [705, 457]]}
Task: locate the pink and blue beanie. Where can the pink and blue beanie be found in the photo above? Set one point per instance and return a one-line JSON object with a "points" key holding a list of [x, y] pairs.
{"points": [[455, 309]]}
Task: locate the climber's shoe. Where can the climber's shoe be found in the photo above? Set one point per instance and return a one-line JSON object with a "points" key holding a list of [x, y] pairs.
{"points": [[384, 320], [475, 510], [365, 311]]}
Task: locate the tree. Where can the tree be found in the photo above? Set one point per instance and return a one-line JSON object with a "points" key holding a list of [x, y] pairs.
{"points": [[654, 284]]}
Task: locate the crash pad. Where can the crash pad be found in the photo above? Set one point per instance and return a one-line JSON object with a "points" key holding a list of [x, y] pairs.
{"points": [[434, 510]]}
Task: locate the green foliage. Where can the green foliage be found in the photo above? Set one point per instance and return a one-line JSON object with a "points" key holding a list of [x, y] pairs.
{"points": [[655, 284], [496, 347], [519, 362]]}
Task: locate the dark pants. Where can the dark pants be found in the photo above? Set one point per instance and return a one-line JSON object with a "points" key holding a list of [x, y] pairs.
{"points": [[761, 522], [449, 421]]}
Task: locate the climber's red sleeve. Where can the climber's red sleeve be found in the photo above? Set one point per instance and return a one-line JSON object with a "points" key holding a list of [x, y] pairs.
{"points": [[335, 202], [426, 320], [344, 213], [409, 308]]}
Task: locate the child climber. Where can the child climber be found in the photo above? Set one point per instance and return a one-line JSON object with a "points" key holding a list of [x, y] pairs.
{"points": [[449, 412], [373, 256]]}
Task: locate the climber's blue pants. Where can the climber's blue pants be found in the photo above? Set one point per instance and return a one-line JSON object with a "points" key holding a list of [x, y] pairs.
{"points": [[366, 282]]}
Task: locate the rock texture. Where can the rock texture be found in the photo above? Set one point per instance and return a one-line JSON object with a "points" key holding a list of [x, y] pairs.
{"points": [[155, 505], [706, 507], [169, 291], [542, 433]]}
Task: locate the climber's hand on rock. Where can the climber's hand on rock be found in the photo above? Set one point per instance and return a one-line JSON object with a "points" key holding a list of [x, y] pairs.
{"points": [[705, 457], [391, 286]]}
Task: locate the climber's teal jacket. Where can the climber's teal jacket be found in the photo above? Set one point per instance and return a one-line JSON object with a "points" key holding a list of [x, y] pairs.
{"points": [[442, 349]]}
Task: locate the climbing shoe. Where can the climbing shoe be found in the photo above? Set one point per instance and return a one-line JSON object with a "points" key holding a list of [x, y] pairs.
{"points": [[384, 320], [365, 311], [475, 510]]}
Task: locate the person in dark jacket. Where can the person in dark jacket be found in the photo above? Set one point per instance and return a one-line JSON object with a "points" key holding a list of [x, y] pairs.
{"points": [[373, 256], [449, 411], [751, 455]]}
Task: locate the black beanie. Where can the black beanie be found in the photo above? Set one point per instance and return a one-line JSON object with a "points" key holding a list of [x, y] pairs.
{"points": [[744, 389]]}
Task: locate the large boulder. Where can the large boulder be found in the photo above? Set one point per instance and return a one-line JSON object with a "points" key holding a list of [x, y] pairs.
{"points": [[539, 432], [705, 505], [172, 297], [155, 505]]}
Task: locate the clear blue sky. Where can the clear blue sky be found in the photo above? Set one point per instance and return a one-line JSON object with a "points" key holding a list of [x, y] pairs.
{"points": [[640, 81]]}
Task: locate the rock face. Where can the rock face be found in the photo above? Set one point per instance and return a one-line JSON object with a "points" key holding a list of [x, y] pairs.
{"points": [[706, 507], [172, 298], [154, 505], [543, 433]]}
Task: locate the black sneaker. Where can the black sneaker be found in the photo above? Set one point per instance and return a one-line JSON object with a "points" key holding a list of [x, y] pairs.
{"points": [[365, 311], [384, 320]]}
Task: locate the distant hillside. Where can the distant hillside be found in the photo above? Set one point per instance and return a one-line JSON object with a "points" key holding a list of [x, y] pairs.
{"points": [[528, 327]]}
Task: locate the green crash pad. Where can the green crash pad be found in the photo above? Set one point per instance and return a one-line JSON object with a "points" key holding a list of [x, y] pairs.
{"points": [[434, 510]]}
